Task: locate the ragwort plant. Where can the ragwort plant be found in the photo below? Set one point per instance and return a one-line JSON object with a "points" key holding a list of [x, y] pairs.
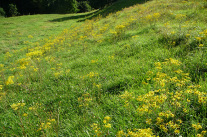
{"points": [[173, 107]]}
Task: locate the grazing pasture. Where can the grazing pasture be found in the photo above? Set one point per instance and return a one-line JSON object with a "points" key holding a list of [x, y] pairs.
{"points": [[137, 71]]}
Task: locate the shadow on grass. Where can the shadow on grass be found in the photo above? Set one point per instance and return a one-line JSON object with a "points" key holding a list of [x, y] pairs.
{"points": [[117, 6], [77, 16]]}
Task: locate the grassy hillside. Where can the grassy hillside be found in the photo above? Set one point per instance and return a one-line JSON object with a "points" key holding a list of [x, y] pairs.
{"points": [[139, 71]]}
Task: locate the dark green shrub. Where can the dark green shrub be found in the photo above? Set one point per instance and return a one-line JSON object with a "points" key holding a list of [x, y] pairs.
{"points": [[66, 6], [100, 3], [84, 6], [2, 12], [13, 11]]}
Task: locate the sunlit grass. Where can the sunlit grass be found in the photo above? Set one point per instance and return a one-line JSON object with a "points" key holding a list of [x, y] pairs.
{"points": [[140, 71]]}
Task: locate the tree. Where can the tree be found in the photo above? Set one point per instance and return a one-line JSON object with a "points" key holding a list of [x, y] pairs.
{"points": [[50, 6], [83, 6], [100, 3], [13, 10], [66, 6], [2, 12]]}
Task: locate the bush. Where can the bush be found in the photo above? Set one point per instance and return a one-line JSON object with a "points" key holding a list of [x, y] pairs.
{"points": [[66, 6], [84, 6], [100, 3], [2, 12], [13, 11]]}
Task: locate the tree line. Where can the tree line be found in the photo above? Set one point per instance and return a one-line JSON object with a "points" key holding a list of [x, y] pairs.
{"points": [[24, 7]]}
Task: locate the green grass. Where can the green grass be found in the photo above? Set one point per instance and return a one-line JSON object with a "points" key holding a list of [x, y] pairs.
{"points": [[62, 75], [15, 30]]}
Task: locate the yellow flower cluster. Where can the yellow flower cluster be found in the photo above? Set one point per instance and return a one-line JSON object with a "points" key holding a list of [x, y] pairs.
{"points": [[35, 107], [173, 96], [198, 38], [90, 75], [201, 38], [197, 126], [120, 133], [10, 80], [172, 62], [34, 54], [119, 27], [141, 133], [187, 35], [106, 121], [46, 125], [111, 57], [127, 95], [85, 100], [167, 114], [25, 115], [153, 17], [104, 28], [2, 94], [30, 36], [34, 68], [1, 87], [156, 15], [180, 16], [203, 134], [57, 74], [16, 106], [96, 129], [102, 130], [158, 65], [135, 36], [1, 67], [7, 55], [97, 85], [94, 61]]}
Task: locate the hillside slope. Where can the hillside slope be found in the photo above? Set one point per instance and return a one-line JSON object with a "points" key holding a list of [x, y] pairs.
{"points": [[139, 71]]}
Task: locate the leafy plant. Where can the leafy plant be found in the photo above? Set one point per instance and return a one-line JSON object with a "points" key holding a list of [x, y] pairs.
{"points": [[2, 12], [83, 6], [13, 11]]}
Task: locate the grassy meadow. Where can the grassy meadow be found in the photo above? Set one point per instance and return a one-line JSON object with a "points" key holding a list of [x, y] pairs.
{"points": [[139, 70]]}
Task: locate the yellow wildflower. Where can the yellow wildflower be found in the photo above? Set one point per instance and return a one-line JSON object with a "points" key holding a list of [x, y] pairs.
{"points": [[177, 131], [200, 45], [187, 35], [203, 132], [120, 133], [31, 108], [107, 118], [30, 36], [149, 121], [198, 38], [22, 104], [180, 121], [17, 105], [185, 110], [197, 126], [25, 114], [52, 120], [107, 125], [10, 80], [14, 106], [180, 16]]}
